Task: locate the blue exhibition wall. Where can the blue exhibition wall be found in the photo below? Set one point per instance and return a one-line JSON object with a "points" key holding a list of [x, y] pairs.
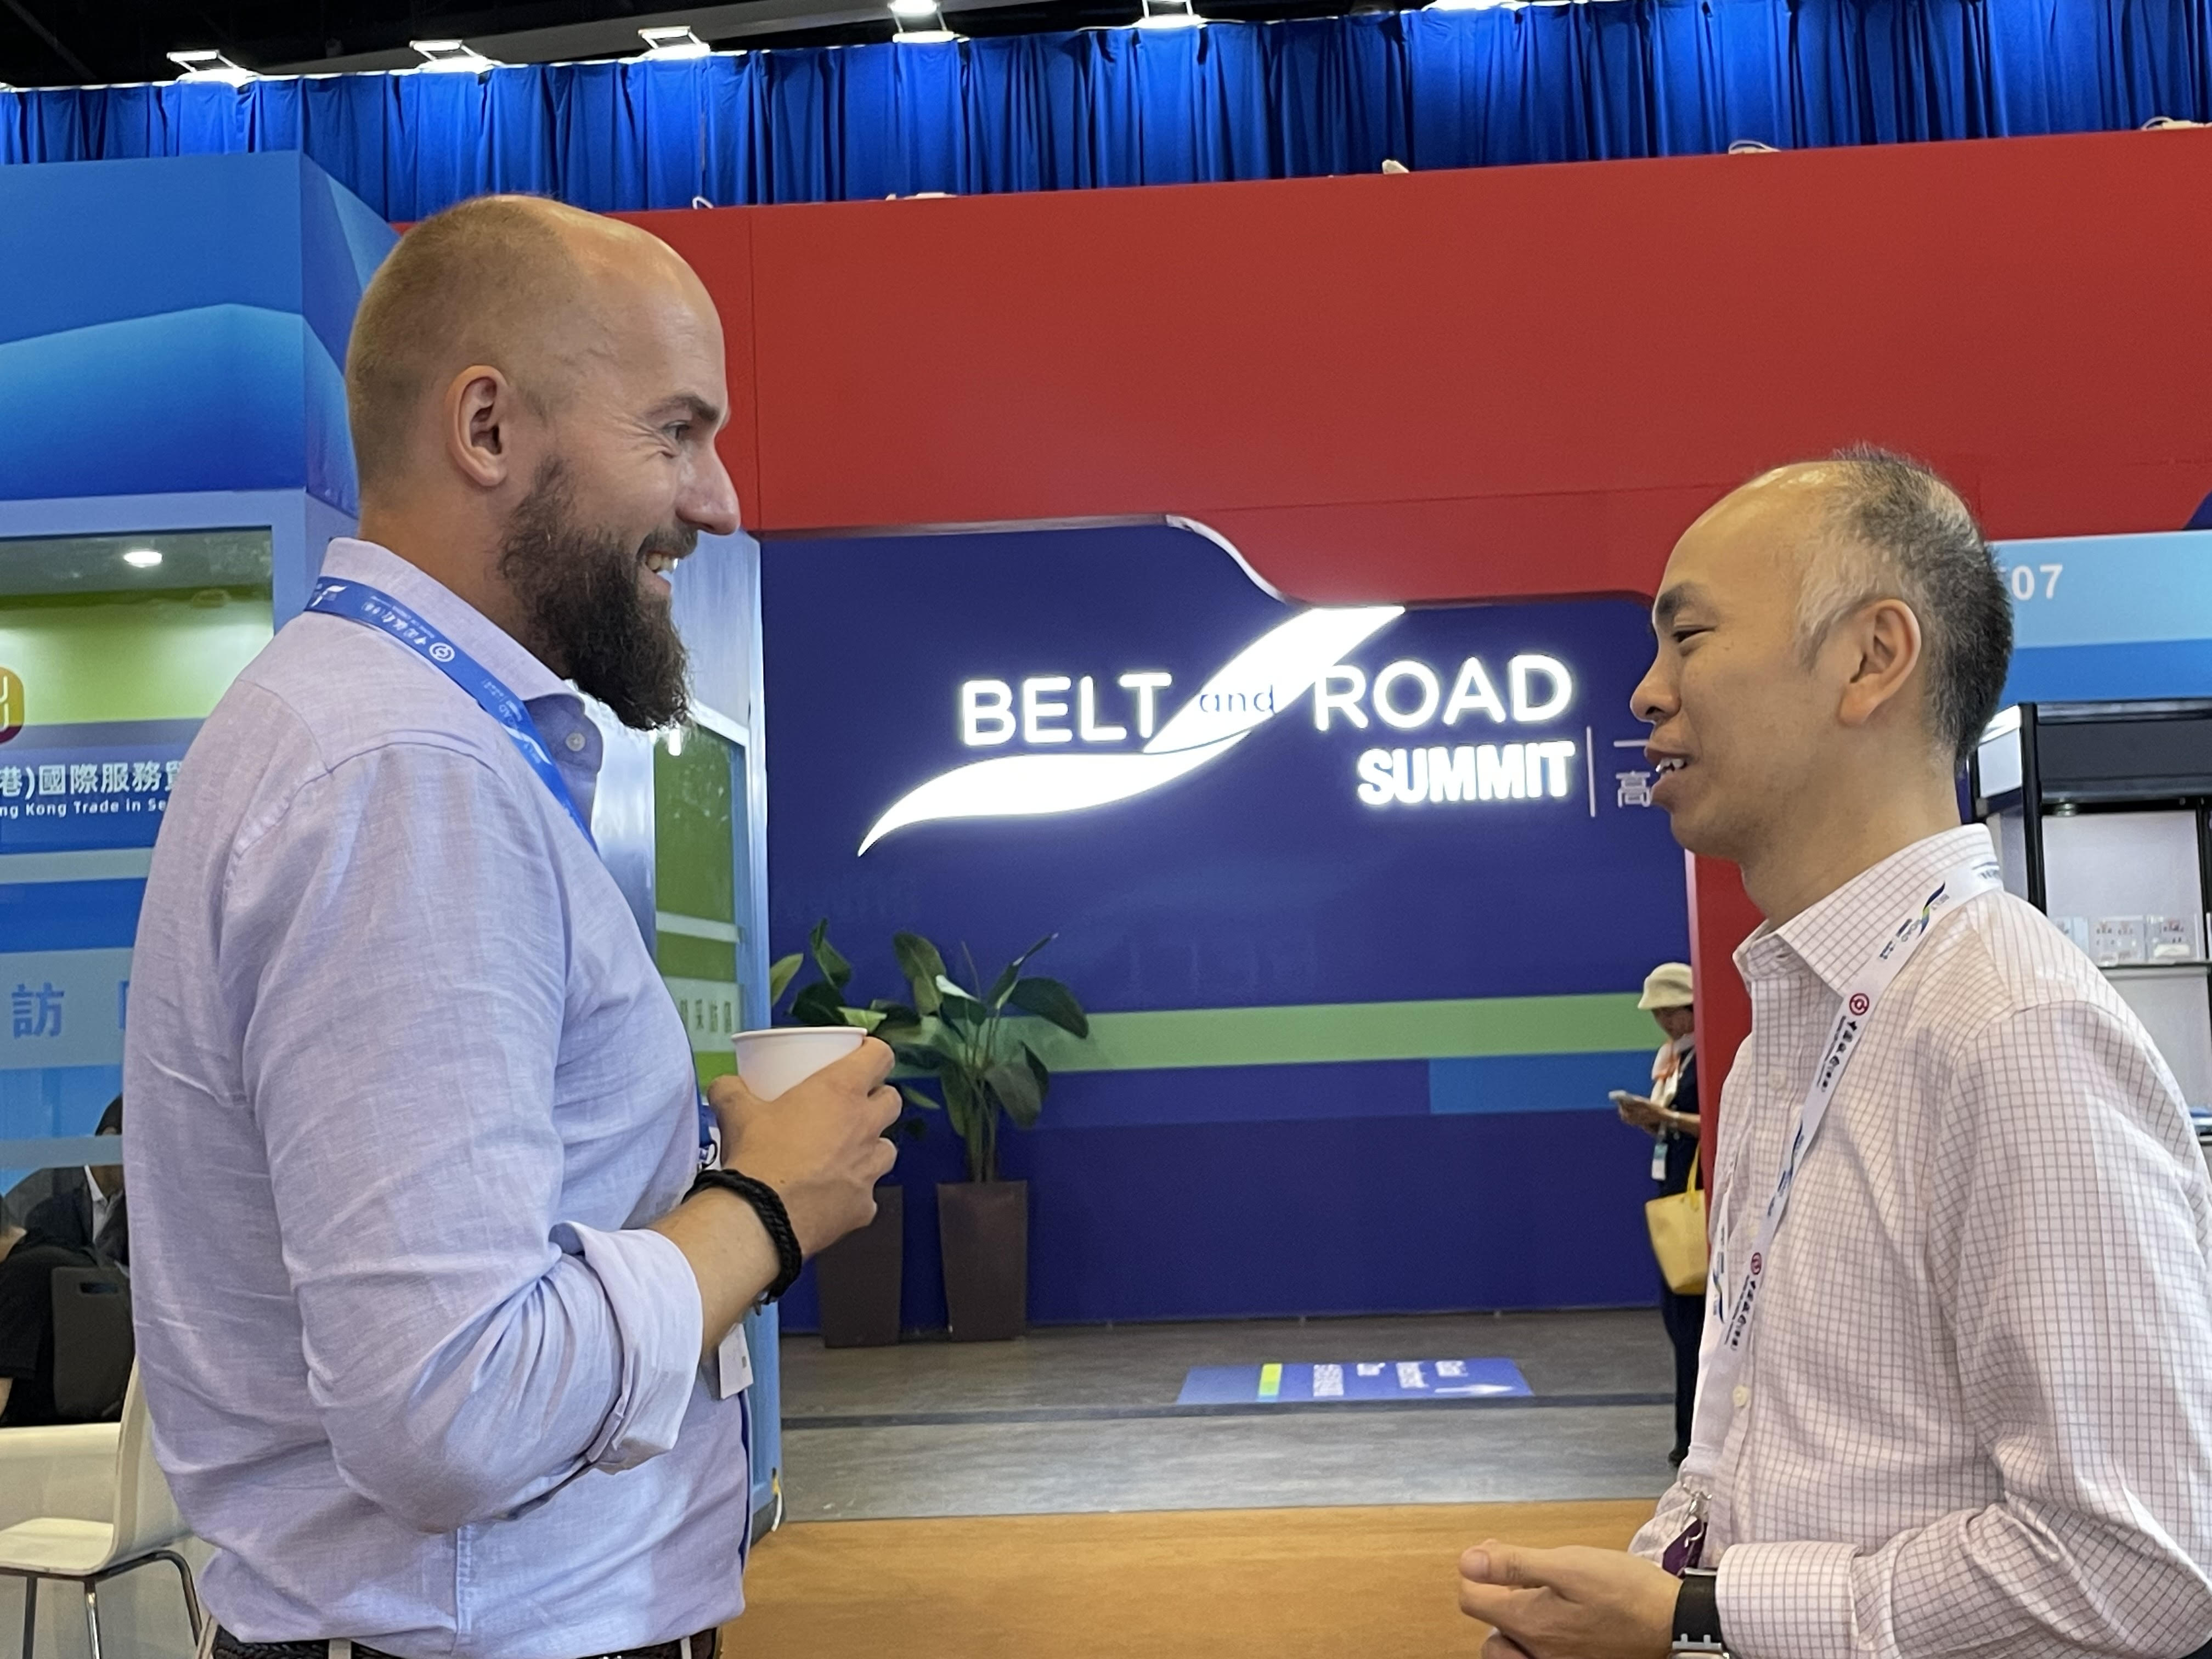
{"points": [[1359, 900], [172, 334], [209, 300], [1503, 85], [2101, 618]]}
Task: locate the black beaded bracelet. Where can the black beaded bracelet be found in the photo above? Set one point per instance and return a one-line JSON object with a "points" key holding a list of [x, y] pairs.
{"points": [[768, 1206]]}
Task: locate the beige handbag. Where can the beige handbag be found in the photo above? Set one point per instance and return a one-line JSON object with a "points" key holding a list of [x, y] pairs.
{"points": [[1677, 1237]]}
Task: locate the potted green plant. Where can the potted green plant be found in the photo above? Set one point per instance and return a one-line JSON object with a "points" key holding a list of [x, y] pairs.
{"points": [[976, 1049], [857, 1279]]}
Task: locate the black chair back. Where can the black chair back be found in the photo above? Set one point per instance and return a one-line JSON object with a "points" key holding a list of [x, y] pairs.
{"points": [[93, 1343]]}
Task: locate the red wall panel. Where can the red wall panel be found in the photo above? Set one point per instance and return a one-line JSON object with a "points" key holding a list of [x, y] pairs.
{"points": [[1538, 371]]}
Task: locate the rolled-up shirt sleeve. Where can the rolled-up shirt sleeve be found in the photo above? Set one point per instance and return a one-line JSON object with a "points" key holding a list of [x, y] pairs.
{"points": [[469, 1345], [655, 1299]]}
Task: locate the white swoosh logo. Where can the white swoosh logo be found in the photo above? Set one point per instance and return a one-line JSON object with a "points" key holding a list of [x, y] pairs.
{"points": [[1264, 678]]}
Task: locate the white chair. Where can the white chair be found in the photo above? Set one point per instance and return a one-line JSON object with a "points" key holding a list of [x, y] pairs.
{"points": [[115, 1513]]}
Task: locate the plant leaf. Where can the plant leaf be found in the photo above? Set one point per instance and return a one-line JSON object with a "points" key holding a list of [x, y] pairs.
{"points": [[915, 1097], [1015, 1088], [1034, 949], [867, 1018], [959, 1104], [780, 973], [918, 959], [818, 1005], [955, 1005], [917, 1056], [834, 967], [1047, 998], [1037, 1070], [996, 996]]}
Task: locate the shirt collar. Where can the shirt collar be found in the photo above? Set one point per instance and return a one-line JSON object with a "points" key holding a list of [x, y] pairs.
{"points": [[1834, 937], [354, 560]]}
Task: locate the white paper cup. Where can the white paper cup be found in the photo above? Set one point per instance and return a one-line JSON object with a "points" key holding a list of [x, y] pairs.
{"points": [[768, 1062]]}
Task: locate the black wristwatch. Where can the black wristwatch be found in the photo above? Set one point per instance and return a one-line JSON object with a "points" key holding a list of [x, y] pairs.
{"points": [[768, 1206], [1698, 1613]]}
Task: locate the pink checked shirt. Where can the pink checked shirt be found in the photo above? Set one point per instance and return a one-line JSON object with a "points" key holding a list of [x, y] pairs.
{"points": [[1977, 1414]]}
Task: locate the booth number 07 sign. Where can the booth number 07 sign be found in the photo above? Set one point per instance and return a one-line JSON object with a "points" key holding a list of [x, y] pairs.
{"points": [[1084, 743]]}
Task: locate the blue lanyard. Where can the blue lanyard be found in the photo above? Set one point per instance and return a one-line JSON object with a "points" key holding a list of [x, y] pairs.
{"points": [[358, 602]]}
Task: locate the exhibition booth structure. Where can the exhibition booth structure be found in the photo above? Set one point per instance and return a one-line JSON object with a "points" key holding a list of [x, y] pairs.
{"points": [[2096, 778], [1357, 899], [1483, 443]]}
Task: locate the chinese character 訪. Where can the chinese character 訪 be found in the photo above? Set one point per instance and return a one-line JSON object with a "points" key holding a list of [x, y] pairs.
{"points": [[1635, 789], [36, 1013]]}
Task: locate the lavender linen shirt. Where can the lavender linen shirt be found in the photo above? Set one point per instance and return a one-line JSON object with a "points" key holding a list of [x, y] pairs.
{"points": [[404, 1089]]}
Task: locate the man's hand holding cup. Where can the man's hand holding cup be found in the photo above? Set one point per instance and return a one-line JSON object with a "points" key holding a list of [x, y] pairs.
{"points": [[806, 1114]]}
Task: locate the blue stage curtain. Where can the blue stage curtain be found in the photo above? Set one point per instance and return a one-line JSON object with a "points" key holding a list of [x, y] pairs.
{"points": [[1599, 79]]}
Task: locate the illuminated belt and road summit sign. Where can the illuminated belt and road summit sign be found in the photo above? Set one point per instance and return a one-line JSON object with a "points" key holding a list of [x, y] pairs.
{"points": [[1085, 740]]}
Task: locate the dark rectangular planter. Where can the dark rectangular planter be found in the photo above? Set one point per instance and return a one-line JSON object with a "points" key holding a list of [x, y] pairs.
{"points": [[983, 1228], [858, 1278]]}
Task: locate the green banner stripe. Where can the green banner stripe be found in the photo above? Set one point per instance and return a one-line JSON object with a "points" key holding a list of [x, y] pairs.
{"points": [[1170, 1038]]}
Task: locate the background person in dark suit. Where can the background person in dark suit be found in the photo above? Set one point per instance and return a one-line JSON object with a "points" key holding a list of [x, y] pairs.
{"points": [[78, 1207], [71, 1219]]}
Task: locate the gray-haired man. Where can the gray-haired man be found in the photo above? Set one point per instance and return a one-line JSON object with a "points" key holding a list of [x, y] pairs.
{"points": [[1955, 1396]]}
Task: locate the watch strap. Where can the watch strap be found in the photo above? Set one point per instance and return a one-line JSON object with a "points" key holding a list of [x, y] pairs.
{"points": [[773, 1217], [1698, 1613]]}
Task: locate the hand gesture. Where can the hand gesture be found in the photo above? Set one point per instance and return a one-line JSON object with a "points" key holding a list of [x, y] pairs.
{"points": [[1573, 1603]]}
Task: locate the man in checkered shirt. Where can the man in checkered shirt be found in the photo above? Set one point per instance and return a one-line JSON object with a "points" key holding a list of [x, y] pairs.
{"points": [[1975, 1413]]}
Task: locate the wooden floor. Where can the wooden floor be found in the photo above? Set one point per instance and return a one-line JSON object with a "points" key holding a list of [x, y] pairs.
{"points": [[1195, 1584]]}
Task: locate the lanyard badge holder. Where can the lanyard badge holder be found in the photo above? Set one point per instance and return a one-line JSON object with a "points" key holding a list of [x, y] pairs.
{"points": [[1732, 1308], [358, 602]]}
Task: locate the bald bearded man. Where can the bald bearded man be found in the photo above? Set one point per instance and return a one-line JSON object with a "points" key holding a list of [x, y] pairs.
{"points": [[1955, 1395], [431, 1311]]}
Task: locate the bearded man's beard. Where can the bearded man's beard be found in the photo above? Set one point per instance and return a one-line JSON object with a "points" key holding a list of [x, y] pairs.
{"points": [[588, 617]]}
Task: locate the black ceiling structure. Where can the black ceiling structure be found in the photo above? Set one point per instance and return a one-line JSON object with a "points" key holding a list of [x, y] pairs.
{"points": [[59, 43]]}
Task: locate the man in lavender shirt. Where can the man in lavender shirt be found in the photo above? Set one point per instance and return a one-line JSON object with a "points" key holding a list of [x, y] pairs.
{"points": [[427, 1322]]}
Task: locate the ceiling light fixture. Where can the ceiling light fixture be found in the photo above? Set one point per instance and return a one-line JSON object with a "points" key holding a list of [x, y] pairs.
{"points": [[928, 19], [450, 57], [143, 558], [662, 44], [1169, 14], [205, 63]]}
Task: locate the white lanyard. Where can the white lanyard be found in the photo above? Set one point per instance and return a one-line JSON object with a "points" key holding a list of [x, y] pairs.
{"points": [[1730, 1312]]}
